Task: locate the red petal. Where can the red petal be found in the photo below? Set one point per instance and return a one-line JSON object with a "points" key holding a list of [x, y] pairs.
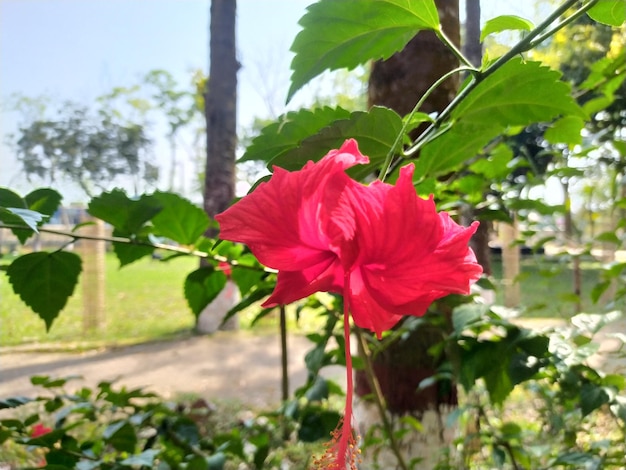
{"points": [[287, 222], [409, 255]]}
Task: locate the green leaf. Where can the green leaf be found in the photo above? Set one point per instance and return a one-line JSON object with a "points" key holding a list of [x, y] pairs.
{"points": [[567, 130], [45, 281], [462, 142], [518, 94], [345, 33], [317, 424], [29, 212], [14, 402], [121, 435], [375, 131], [611, 12], [127, 215], [496, 164], [579, 459], [592, 397], [318, 390], [202, 286], [216, 461], [9, 198], [129, 252], [289, 130], [21, 217], [146, 458], [43, 200], [246, 278], [505, 23], [179, 220]]}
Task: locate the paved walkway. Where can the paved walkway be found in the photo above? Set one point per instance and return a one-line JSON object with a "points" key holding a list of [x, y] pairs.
{"points": [[228, 365]]}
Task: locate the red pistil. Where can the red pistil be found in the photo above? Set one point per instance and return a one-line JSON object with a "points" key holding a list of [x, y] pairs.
{"points": [[342, 451]]}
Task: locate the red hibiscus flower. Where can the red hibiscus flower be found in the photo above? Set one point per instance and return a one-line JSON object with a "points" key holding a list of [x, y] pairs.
{"points": [[385, 249], [39, 430]]}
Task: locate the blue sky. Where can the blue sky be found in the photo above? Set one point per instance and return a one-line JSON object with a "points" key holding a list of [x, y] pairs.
{"points": [[79, 49]]}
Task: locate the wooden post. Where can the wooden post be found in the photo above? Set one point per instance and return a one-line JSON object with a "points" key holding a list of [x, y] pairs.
{"points": [[510, 263], [93, 277]]}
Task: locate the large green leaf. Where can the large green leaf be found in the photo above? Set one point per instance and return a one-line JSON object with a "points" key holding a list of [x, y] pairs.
{"points": [[505, 23], [375, 130], [179, 220], [289, 130], [611, 12], [345, 33], [518, 94], [462, 142], [127, 215], [202, 286], [45, 281]]}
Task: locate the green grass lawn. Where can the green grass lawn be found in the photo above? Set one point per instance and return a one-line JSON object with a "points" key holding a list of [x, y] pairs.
{"points": [[143, 300], [547, 287]]}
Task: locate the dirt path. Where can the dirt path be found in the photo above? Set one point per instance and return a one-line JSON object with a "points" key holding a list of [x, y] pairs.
{"points": [[228, 365]]}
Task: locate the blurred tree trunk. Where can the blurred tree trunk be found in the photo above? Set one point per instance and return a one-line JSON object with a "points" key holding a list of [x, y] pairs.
{"points": [[399, 83], [473, 50], [472, 47], [220, 107], [221, 110]]}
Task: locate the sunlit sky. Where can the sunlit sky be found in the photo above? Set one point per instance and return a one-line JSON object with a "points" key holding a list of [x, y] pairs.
{"points": [[80, 49]]}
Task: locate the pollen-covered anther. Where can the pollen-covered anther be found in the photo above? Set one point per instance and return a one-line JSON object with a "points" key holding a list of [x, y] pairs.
{"points": [[342, 451]]}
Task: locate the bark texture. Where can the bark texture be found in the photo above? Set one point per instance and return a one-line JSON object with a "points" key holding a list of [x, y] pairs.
{"points": [[221, 109]]}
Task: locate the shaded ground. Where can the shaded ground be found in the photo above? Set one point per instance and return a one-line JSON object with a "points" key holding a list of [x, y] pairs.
{"points": [[228, 365]]}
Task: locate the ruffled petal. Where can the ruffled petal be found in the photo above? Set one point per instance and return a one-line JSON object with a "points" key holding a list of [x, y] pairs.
{"points": [[366, 310], [409, 255], [287, 223]]}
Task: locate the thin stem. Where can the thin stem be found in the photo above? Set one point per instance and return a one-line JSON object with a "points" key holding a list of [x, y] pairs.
{"points": [[450, 45], [573, 17], [283, 354], [379, 399], [128, 241], [284, 363], [407, 119]]}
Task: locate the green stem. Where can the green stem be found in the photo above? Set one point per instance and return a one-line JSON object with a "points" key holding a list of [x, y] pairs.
{"points": [[573, 17], [379, 399], [129, 241], [450, 45], [407, 119]]}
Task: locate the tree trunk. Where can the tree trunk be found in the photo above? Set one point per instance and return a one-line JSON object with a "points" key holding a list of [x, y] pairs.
{"points": [[221, 120], [472, 49], [399, 83]]}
